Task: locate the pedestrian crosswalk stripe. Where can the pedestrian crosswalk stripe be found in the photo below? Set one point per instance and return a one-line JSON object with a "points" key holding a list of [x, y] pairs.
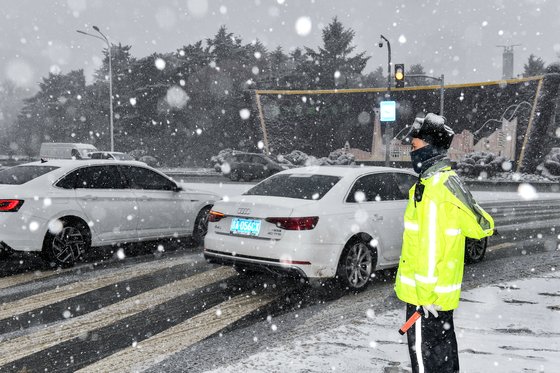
{"points": [[25, 345], [6, 282], [90, 283], [160, 346], [504, 245]]}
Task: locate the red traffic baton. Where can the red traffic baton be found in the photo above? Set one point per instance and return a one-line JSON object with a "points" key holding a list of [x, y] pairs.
{"points": [[411, 320]]}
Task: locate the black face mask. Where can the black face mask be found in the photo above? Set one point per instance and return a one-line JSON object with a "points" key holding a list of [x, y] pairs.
{"points": [[419, 157]]}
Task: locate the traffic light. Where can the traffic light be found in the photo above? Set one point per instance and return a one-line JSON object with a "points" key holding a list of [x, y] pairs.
{"points": [[399, 75]]}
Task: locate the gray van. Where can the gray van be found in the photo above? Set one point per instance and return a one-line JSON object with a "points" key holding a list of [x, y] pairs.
{"points": [[65, 150]]}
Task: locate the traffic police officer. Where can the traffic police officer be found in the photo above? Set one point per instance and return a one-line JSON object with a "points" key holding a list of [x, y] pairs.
{"points": [[440, 213]]}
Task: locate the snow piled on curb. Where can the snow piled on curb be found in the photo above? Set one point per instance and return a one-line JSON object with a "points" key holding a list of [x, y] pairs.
{"points": [[509, 327]]}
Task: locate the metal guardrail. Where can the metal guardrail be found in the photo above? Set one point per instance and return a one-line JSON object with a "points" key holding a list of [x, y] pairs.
{"points": [[512, 186], [477, 185]]}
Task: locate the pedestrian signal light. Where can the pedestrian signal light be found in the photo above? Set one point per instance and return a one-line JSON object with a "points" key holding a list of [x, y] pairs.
{"points": [[399, 75]]}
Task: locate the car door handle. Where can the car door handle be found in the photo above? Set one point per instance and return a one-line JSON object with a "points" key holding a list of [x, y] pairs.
{"points": [[376, 217]]}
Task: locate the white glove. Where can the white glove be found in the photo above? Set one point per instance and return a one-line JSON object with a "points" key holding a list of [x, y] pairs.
{"points": [[431, 308]]}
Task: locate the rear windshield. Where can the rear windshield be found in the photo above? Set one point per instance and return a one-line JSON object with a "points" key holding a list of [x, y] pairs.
{"points": [[301, 186], [22, 174]]}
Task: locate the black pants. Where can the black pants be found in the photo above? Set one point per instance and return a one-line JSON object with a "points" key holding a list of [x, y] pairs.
{"points": [[432, 343]]}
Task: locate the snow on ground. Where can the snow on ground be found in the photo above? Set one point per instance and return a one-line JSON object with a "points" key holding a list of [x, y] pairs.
{"points": [[508, 327]]}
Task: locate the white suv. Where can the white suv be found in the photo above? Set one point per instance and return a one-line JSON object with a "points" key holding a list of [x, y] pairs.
{"points": [[63, 207]]}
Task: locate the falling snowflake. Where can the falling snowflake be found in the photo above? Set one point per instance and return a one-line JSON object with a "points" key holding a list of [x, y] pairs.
{"points": [[303, 26], [527, 192], [160, 63], [244, 114], [176, 97]]}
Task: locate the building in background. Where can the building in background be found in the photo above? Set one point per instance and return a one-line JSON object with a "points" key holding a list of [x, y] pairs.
{"points": [[501, 142], [507, 61]]}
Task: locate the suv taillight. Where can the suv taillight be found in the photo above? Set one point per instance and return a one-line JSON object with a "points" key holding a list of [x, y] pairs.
{"points": [[295, 224], [214, 216], [10, 205]]}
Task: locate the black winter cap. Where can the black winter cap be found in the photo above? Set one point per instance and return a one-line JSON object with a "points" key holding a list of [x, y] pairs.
{"points": [[433, 129]]}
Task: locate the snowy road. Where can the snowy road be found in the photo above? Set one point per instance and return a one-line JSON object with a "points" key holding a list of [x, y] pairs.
{"points": [[171, 311]]}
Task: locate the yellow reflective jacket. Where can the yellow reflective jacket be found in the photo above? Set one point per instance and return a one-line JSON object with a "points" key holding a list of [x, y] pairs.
{"points": [[432, 259]]}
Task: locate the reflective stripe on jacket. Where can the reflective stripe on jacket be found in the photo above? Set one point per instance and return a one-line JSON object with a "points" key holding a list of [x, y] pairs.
{"points": [[432, 259]]}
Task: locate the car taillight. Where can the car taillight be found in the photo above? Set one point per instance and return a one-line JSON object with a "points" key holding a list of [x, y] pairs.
{"points": [[295, 224], [214, 216], [10, 205]]}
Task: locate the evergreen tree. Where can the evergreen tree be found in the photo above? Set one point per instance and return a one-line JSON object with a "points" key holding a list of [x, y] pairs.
{"points": [[374, 79], [11, 102], [416, 69], [55, 113], [332, 66], [534, 66]]}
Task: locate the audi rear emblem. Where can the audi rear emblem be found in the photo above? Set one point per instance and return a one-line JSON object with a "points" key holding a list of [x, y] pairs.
{"points": [[243, 211]]}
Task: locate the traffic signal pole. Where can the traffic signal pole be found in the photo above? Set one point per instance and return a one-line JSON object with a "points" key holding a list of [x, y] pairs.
{"points": [[388, 133]]}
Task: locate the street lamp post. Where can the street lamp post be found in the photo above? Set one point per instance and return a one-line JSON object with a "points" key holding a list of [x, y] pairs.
{"points": [[388, 128], [388, 61], [106, 40]]}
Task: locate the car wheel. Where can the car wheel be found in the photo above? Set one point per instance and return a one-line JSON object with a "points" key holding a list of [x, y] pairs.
{"points": [[234, 175], [475, 250], [65, 248], [201, 226], [356, 265]]}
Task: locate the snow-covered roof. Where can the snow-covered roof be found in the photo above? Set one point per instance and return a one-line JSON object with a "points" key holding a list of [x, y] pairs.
{"points": [[350, 170], [71, 163]]}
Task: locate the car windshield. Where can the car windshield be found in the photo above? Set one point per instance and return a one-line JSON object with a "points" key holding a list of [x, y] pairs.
{"points": [[300, 186], [22, 174]]}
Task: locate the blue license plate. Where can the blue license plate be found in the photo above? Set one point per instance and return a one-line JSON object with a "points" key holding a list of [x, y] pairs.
{"points": [[247, 227]]}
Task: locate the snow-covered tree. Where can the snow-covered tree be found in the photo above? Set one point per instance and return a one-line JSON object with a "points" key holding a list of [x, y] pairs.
{"points": [[332, 65], [416, 69], [534, 66]]}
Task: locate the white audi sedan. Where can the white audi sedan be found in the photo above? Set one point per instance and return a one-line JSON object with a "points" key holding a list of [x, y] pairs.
{"points": [[64, 207], [318, 223]]}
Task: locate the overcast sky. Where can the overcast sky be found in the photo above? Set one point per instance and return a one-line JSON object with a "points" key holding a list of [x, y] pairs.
{"points": [[455, 37]]}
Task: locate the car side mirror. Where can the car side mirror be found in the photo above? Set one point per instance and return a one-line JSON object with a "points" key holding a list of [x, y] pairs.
{"points": [[178, 188]]}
